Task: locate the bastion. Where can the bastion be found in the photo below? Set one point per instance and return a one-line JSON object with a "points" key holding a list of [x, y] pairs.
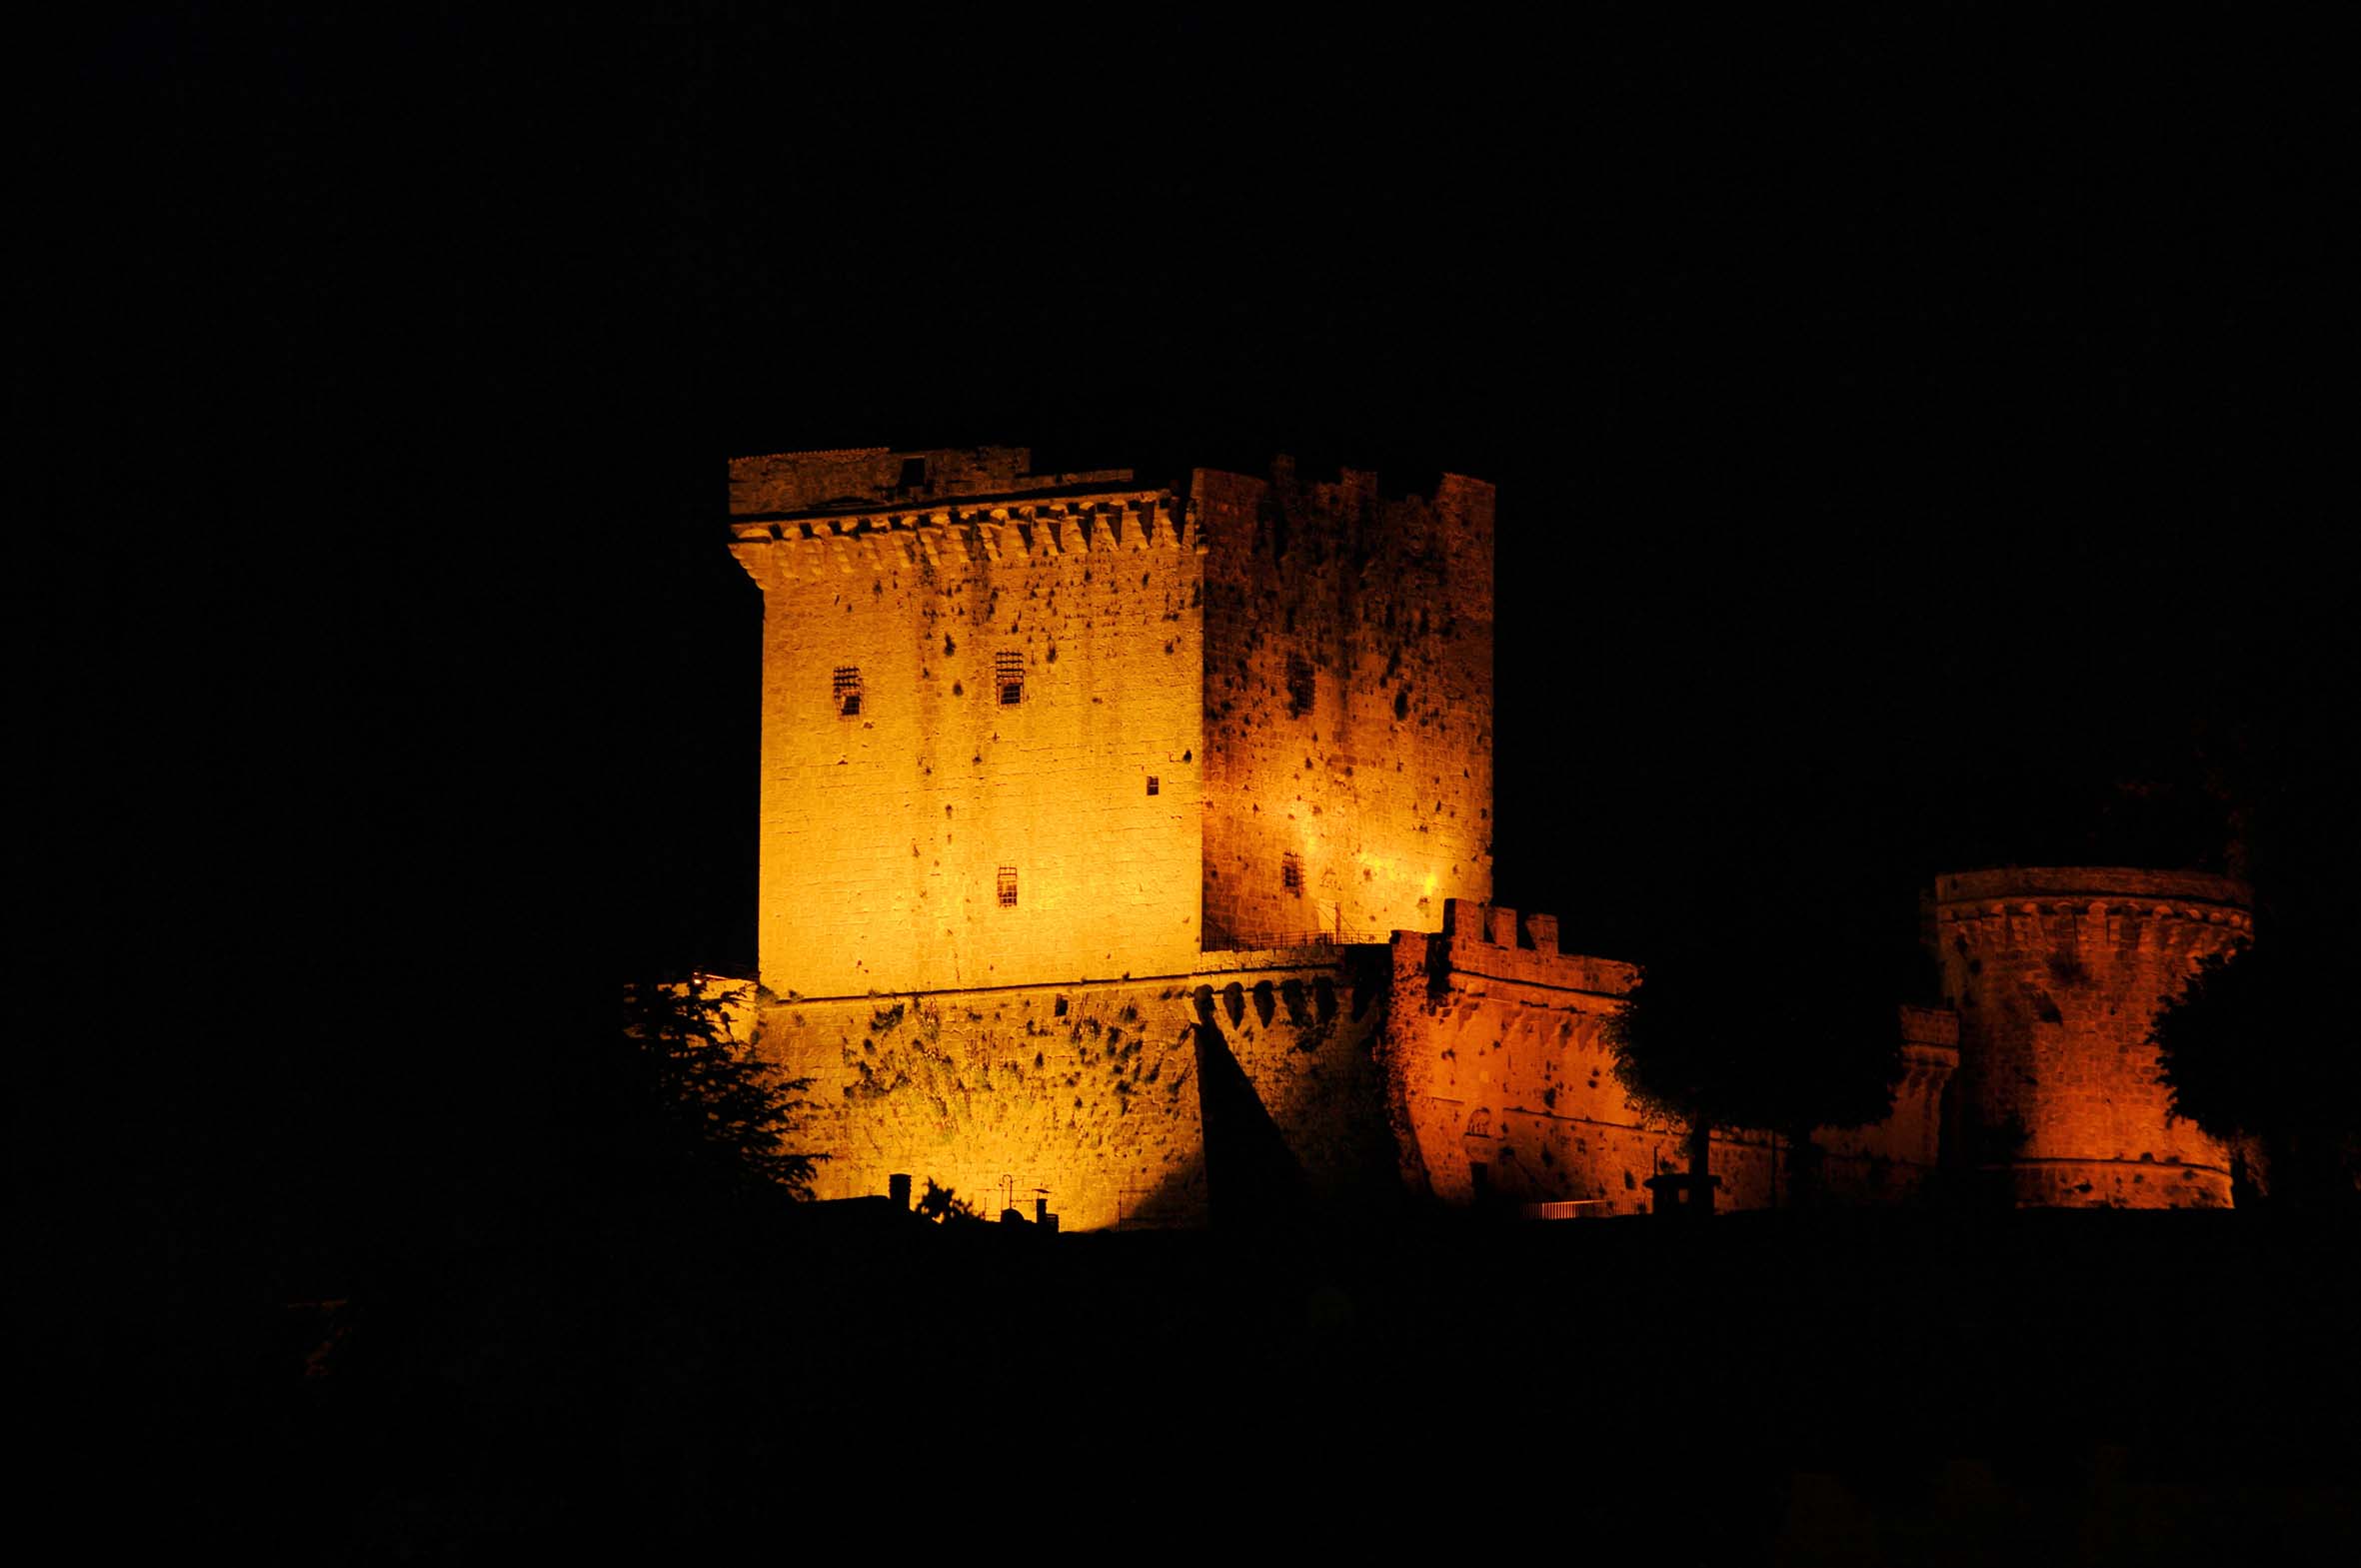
{"points": [[2056, 975]]}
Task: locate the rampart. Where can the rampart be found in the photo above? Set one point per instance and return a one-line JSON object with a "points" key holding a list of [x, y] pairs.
{"points": [[1502, 1086], [1502, 1082], [1348, 705], [981, 741], [2057, 974], [1248, 1080]]}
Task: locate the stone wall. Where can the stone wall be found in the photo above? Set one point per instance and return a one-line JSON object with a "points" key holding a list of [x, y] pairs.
{"points": [[1086, 1095], [1348, 705], [1502, 1081], [1305, 1029], [922, 831], [1468, 1066], [1124, 1103], [1502, 1084], [2057, 974]]}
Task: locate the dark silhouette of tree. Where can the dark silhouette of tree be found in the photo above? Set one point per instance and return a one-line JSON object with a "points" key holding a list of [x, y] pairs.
{"points": [[944, 1206], [1673, 1054], [1788, 1032], [691, 1106], [2258, 1051]]}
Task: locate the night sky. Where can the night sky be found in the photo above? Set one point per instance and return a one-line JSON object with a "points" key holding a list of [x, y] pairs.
{"points": [[1916, 436]]}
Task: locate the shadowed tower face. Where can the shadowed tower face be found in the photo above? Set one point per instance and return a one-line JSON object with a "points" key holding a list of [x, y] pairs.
{"points": [[982, 722], [1348, 705]]}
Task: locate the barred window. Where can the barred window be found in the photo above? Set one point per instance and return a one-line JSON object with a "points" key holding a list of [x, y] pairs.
{"points": [[1290, 871], [1007, 887], [1010, 668], [1152, 783], [848, 688]]}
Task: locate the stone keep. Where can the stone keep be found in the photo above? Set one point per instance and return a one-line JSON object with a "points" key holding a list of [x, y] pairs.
{"points": [[990, 817], [1022, 728]]}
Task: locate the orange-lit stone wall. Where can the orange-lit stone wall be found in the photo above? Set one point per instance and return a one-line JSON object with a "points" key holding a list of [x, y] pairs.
{"points": [[887, 833], [1497, 1060], [1087, 1092], [1094, 1095], [2056, 975], [1348, 705]]}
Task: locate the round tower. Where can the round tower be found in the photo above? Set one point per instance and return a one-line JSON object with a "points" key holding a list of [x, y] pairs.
{"points": [[2057, 974]]}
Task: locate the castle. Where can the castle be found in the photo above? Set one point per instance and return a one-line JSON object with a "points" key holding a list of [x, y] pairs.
{"points": [[1126, 853]]}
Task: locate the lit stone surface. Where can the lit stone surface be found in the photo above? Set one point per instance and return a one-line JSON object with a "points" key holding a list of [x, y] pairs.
{"points": [[1090, 1093], [1380, 612], [1136, 854], [885, 831], [2057, 974], [1498, 1060]]}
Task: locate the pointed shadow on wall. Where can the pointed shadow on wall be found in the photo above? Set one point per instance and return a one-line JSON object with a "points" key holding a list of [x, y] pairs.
{"points": [[1177, 1202], [1252, 1177]]}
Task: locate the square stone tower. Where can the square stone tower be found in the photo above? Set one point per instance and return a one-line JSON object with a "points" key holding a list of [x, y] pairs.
{"points": [[982, 721], [1028, 727]]}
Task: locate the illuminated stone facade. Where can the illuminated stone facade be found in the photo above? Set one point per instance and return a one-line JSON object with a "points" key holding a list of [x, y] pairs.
{"points": [[1504, 1087], [2056, 975], [982, 738], [1348, 705], [1130, 851]]}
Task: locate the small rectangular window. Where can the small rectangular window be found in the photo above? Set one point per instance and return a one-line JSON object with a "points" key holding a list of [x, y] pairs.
{"points": [[1009, 669], [1152, 783], [1299, 685], [1290, 871], [848, 690], [1007, 887]]}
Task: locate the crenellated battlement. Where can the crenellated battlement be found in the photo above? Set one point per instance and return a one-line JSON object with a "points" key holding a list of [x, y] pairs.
{"points": [[1494, 942], [1280, 516], [2092, 890], [953, 538], [1348, 700]]}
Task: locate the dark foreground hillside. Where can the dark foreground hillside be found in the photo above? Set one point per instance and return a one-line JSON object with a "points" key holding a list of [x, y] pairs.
{"points": [[2072, 1387]]}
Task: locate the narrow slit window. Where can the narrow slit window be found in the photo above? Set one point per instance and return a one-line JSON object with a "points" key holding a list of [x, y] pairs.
{"points": [[1007, 887], [1152, 783], [1299, 685], [848, 690], [1010, 670], [1290, 871]]}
